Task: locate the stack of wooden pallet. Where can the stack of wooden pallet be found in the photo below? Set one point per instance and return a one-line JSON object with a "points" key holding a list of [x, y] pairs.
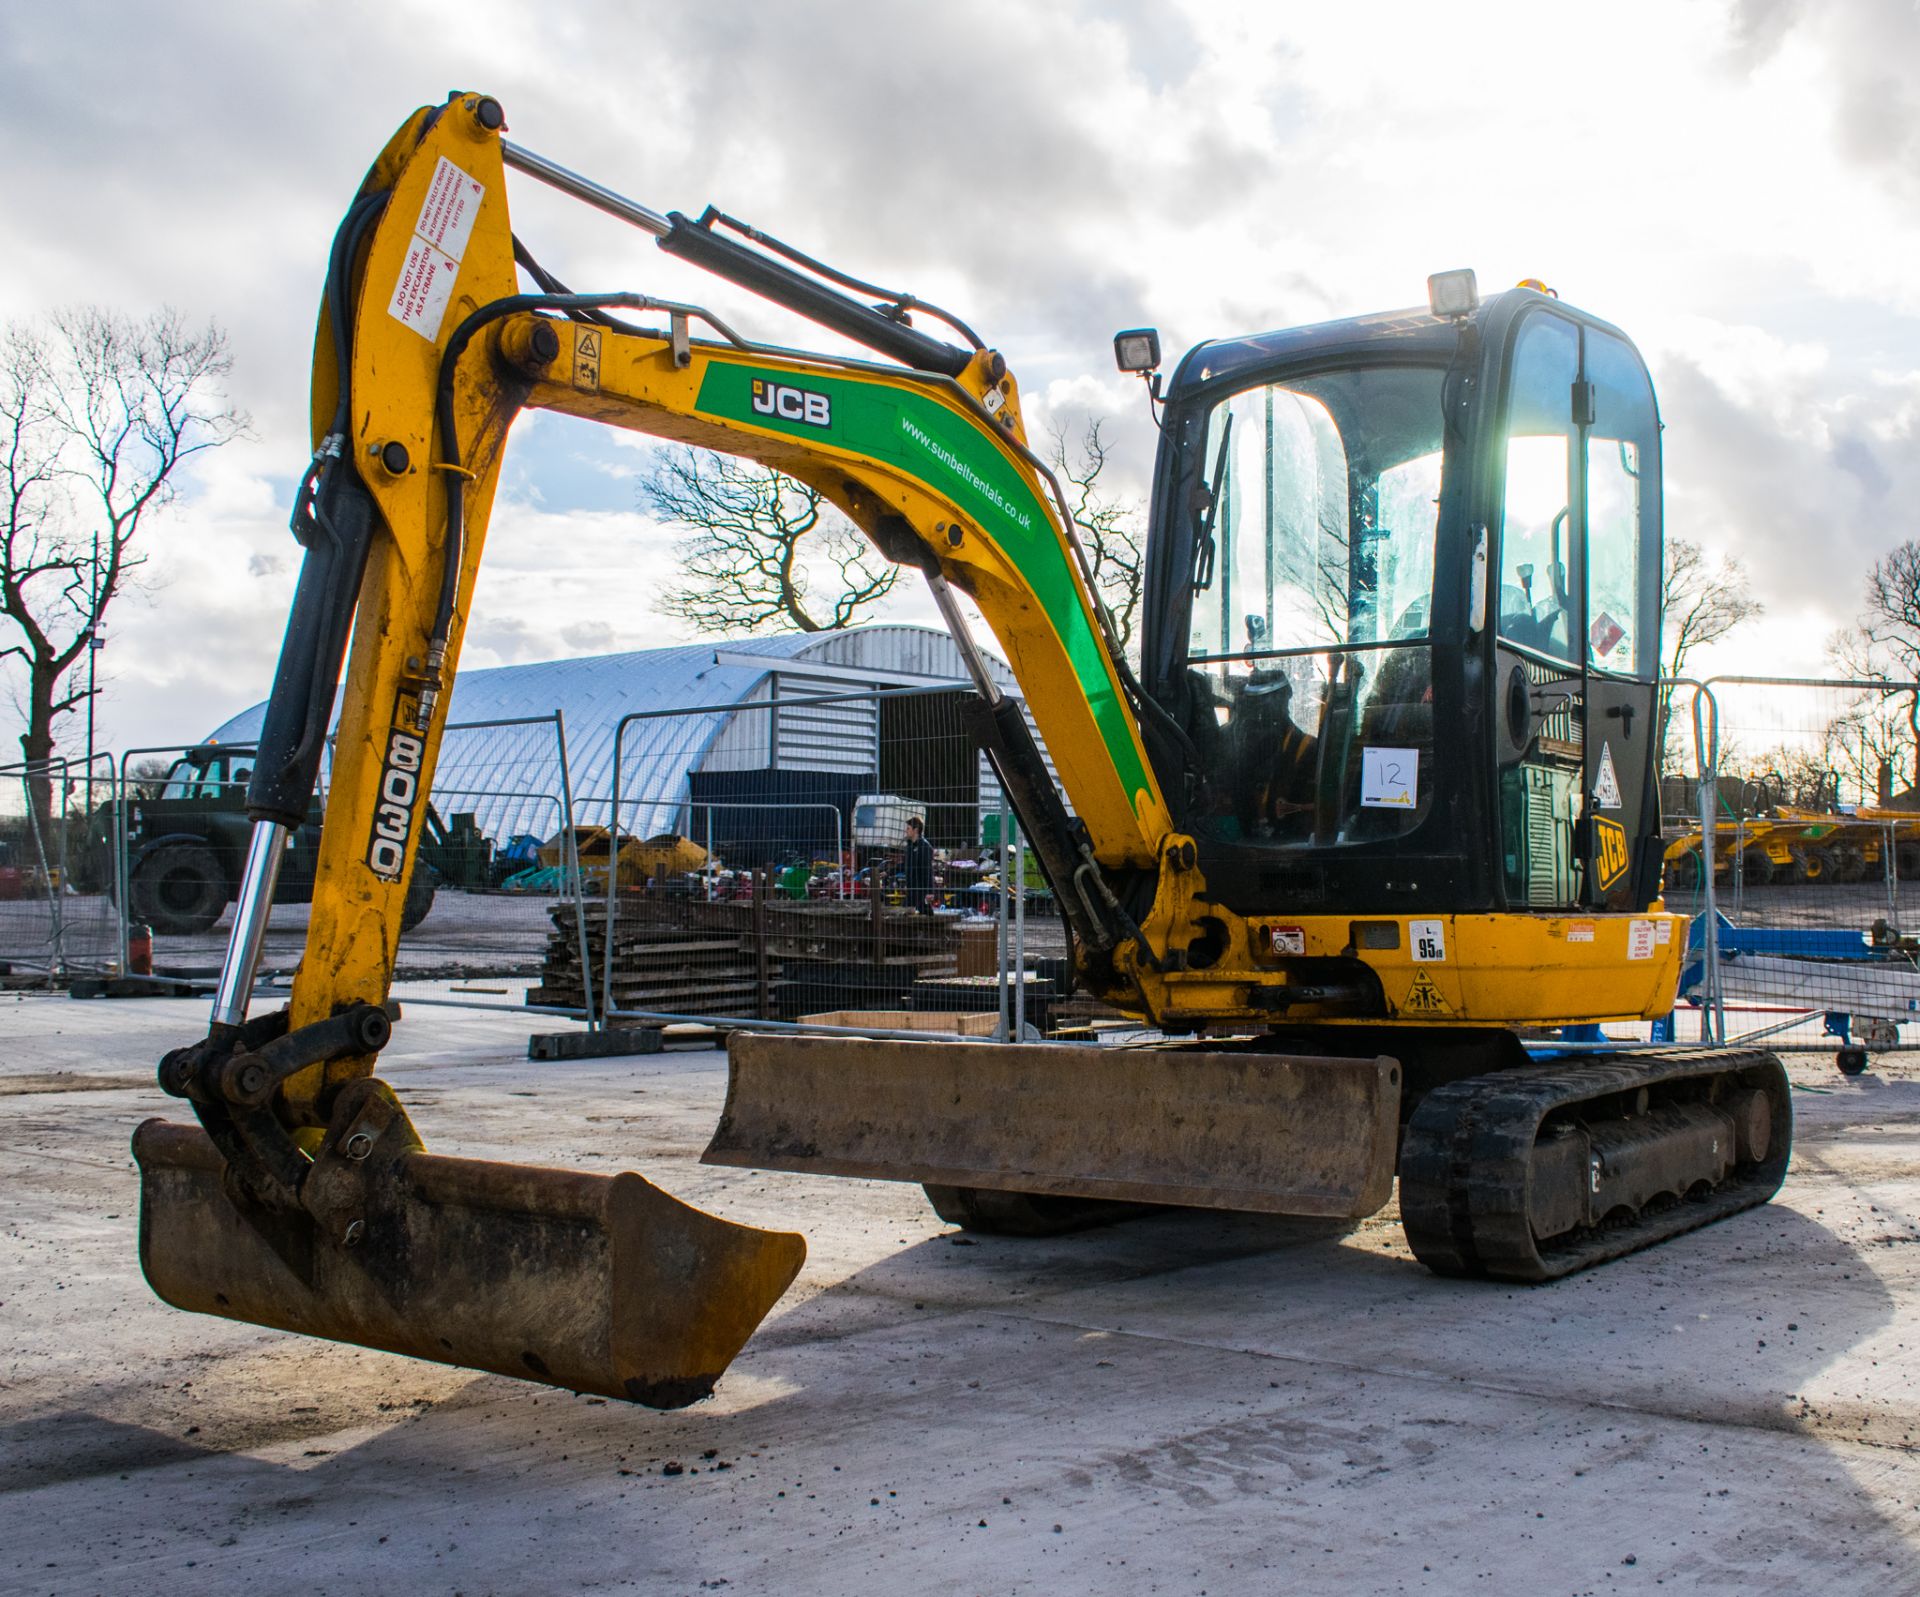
{"points": [[660, 969], [832, 929], [682, 956]]}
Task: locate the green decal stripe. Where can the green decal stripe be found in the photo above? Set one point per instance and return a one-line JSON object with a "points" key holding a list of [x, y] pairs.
{"points": [[943, 450]]}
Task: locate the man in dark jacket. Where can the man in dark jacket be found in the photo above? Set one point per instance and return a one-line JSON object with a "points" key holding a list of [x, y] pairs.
{"points": [[919, 862]]}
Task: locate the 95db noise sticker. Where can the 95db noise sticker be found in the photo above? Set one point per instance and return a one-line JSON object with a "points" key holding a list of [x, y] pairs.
{"points": [[1427, 941]]}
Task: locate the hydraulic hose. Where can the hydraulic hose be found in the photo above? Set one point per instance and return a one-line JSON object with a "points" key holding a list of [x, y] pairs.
{"points": [[456, 471]]}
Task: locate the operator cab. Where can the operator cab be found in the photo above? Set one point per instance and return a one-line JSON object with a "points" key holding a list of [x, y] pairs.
{"points": [[1403, 602], [211, 771]]}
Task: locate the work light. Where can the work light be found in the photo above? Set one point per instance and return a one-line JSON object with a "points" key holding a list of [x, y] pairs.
{"points": [[1453, 293], [1137, 349]]}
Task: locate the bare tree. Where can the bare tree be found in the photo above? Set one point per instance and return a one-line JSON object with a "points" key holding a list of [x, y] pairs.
{"points": [[758, 545], [1700, 603], [1109, 527], [97, 413], [1870, 740], [148, 777], [1885, 642]]}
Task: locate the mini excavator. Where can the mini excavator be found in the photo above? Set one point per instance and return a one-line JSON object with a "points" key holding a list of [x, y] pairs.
{"points": [[1369, 837]]}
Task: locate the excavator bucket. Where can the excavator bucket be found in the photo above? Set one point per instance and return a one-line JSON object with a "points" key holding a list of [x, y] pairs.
{"points": [[1278, 1133], [595, 1283]]}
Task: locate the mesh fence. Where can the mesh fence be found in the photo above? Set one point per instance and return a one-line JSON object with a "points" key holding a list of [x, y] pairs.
{"points": [[1806, 887], [492, 868], [766, 870], [499, 849], [751, 865], [59, 914]]}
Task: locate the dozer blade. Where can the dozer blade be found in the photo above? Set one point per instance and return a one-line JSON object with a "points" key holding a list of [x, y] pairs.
{"points": [[594, 1283], [1277, 1133]]}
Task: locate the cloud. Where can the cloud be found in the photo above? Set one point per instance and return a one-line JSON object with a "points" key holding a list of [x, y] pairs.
{"points": [[1864, 52], [1798, 472], [589, 637], [1734, 186]]}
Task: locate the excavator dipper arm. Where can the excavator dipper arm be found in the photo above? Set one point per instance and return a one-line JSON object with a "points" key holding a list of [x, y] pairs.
{"points": [[303, 1199]]}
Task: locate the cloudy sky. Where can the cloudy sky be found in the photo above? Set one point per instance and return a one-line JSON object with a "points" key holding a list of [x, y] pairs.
{"points": [[1734, 182]]}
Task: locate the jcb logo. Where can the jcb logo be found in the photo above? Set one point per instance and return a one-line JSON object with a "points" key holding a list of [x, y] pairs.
{"points": [[792, 404], [393, 816], [1609, 851]]}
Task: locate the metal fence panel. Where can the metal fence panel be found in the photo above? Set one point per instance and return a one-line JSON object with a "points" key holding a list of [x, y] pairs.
{"points": [[481, 902], [59, 909], [756, 873], [1806, 885], [763, 875]]}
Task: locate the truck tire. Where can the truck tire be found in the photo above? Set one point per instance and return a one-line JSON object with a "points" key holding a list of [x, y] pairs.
{"points": [[418, 902], [178, 889], [1906, 861], [1809, 864], [1847, 863], [1683, 872]]}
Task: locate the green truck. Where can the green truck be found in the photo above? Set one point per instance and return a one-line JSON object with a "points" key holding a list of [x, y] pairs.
{"points": [[186, 847]]}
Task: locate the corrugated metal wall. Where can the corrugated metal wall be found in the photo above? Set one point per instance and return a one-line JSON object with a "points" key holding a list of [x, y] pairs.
{"points": [[509, 777], [825, 737]]}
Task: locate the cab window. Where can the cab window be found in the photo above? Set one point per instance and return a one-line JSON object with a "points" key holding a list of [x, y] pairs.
{"points": [[1538, 547], [1623, 538], [189, 781], [1312, 602]]}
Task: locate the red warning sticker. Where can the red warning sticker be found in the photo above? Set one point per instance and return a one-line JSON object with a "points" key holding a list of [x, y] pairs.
{"points": [[440, 235], [426, 284], [452, 203]]}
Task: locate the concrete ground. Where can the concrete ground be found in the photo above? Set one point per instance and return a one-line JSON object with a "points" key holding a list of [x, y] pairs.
{"points": [[1189, 1403]]}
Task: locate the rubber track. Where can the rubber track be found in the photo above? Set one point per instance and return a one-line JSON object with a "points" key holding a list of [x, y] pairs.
{"points": [[1467, 1151]]}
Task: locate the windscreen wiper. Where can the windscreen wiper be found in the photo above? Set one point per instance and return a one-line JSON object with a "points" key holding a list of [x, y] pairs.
{"points": [[1204, 551]]}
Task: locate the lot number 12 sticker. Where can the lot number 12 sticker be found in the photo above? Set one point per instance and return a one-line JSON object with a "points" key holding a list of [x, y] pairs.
{"points": [[1428, 940], [1389, 779]]}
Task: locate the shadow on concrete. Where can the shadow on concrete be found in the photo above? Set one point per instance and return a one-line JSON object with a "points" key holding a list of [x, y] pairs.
{"points": [[1246, 1367]]}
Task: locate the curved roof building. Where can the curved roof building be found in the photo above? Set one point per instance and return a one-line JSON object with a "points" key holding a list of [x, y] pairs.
{"points": [[699, 710]]}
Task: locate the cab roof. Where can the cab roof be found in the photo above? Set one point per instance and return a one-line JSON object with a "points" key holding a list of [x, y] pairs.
{"points": [[1414, 334]]}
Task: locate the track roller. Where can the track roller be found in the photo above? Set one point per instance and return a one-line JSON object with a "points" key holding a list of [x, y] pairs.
{"points": [[1531, 1174]]}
